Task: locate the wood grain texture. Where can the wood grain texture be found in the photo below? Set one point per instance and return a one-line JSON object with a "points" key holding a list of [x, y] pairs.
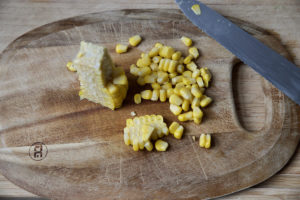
{"points": [[87, 157]]}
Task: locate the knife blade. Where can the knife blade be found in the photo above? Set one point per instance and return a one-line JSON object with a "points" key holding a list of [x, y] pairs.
{"points": [[278, 70]]}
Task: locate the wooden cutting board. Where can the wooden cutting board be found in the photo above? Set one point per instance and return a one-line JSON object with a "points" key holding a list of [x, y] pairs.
{"points": [[56, 146]]}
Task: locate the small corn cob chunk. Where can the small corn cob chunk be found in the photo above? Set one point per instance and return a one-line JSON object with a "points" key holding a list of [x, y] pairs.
{"points": [[200, 82], [156, 59], [70, 67], [166, 52], [120, 48], [141, 81], [186, 94], [155, 86], [155, 95], [185, 116], [139, 131], [195, 90], [146, 94], [196, 9], [205, 141], [175, 99], [185, 105], [154, 52], [176, 110], [188, 59], [135, 40], [162, 95], [192, 66], [180, 68], [161, 145], [186, 41], [205, 100], [194, 51], [137, 98], [177, 55]]}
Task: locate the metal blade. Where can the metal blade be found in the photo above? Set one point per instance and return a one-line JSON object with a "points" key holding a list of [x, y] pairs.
{"points": [[278, 70]]}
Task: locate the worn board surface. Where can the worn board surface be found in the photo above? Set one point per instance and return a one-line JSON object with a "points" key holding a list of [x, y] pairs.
{"points": [[86, 155]]}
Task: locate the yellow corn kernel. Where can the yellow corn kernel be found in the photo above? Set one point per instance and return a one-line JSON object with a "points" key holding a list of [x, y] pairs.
{"points": [[162, 95], [185, 116], [148, 145], [187, 73], [139, 62], [126, 136], [196, 9], [192, 66], [172, 66], [70, 67], [141, 81], [197, 120], [158, 45], [166, 86], [129, 122], [150, 78], [146, 94], [196, 91], [155, 86], [146, 60], [135, 40], [206, 79], [161, 64], [155, 95], [169, 92], [195, 102], [135, 144], [176, 110], [120, 48], [156, 59], [134, 70], [196, 73], [162, 77], [187, 81], [146, 132], [175, 99], [179, 132], [176, 55], [200, 82], [185, 105], [176, 79], [205, 101], [166, 51], [208, 141], [153, 52], [194, 51], [172, 75], [154, 67], [179, 86], [180, 68], [197, 112], [188, 59], [173, 127], [186, 41], [143, 71], [202, 140], [161, 145], [186, 94], [137, 98], [181, 60]]}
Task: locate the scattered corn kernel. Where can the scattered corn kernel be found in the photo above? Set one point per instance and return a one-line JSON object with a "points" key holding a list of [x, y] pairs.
{"points": [[137, 99], [173, 127], [150, 78], [205, 101], [186, 94], [192, 66], [162, 95], [180, 68], [154, 52], [158, 45], [205, 141], [155, 95], [177, 55], [185, 105], [155, 86], [146, 60], [143, 71], [166, 51], [146, 94], [134, 70], [176, 79], [176, 110], [120, 48], [194, 51], [188, 59], [179, 132], [135, 40], [196, 91], [196, 9], [197, 112], [195, 102], [156, 59], [71, 67], [166, 86], [175, 99], [161, 145], [200, 82], [186, 41], [148, 146], [185, 116], [162, 77]]}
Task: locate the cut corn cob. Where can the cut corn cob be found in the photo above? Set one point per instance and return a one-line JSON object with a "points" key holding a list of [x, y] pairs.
{"points": [[100, 81]]}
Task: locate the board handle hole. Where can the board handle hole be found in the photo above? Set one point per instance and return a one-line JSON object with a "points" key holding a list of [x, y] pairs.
{"points": [[249, 98]]}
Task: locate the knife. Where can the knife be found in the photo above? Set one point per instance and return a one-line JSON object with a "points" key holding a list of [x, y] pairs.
{"points": [[278, 70]]}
